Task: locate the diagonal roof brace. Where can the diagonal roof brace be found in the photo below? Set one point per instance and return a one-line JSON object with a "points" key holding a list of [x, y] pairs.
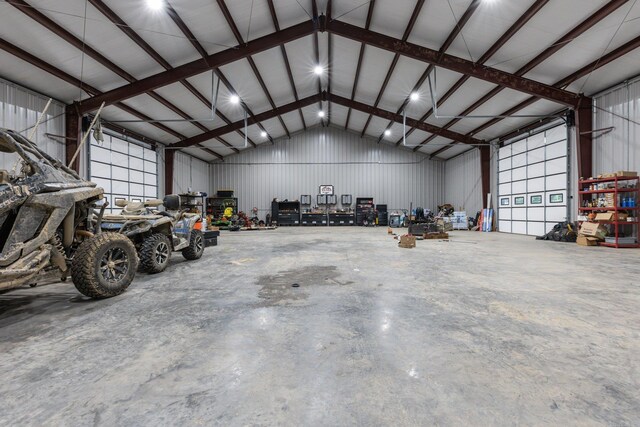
{"points": [[199, 66], [453, 63]]}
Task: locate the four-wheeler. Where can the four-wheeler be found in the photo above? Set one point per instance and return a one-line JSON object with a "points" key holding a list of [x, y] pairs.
{"points": [[50, 224], [156, 234]]}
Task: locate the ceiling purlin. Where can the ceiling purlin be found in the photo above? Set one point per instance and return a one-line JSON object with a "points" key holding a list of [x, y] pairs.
{"points": [[394, 62], [234, 29], [199, 66], [49, 24], [276, 24], [620, 51], [135, 37], [135, 87], [360, 57], [330, 62], [201, 50], [579, 29], [520, 22], [316, 50]]}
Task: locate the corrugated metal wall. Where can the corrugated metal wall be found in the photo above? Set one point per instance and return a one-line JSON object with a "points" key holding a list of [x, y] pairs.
{"points": [[355, 166], [189, 172], [463, 182], [20, 109], [619, 149]]}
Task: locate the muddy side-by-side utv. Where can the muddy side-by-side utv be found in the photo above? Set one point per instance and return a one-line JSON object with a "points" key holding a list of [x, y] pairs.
{"points": [[50, 226]]}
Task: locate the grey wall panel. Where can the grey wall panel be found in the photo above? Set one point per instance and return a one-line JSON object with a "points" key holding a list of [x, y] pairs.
{"points": [[463, 182], [620, 148], [355, 166], [190, 173], [20, 109]]}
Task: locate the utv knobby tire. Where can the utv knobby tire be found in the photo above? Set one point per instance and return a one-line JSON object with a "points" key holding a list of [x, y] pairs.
{"points": [[88, 261], [155, 253], [196, 246]]}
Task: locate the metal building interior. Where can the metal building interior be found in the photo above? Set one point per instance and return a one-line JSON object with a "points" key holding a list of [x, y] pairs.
{"points": [[408, 212]]}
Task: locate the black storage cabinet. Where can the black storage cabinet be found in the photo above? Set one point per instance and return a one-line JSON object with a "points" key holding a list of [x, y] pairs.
{"points": [[288, 213], [311, 219], [363, 204], [211, 238], [383, 215], [338, 219]]}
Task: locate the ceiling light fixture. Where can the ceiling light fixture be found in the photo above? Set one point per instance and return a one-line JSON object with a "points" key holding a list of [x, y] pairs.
{"points": [[318, 70], [234, 99], [321, 114], [414, 96], [387, 132], [263, 134], [155, 4]]}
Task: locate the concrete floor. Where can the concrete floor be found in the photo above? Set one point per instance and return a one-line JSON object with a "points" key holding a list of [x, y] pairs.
{"points": [[488, 329]]}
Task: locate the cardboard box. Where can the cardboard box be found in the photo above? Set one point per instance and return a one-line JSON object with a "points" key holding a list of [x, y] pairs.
{"points": [[611, 216], [605, 216], [587, 241], [593, 229], [627, 173], [407, 242]]}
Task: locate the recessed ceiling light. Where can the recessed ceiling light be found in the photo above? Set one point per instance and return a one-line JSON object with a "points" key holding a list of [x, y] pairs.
{"points": [[263, 134], [387, 132], [321, 114], [155, 4], [318, 70], [414, 96], [234, 99]]}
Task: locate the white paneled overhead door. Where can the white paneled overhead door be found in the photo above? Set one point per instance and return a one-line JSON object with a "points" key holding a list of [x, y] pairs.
{"points": [[533, 183], [126, 170]]}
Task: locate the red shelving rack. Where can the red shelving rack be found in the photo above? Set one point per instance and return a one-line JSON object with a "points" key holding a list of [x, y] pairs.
{"points": [[629, 191]]}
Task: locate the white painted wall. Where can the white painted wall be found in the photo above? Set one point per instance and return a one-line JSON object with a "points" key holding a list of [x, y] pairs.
{"points": [[619, 149], [189, 173], [20, 109], [463, 182], [355, 166]]}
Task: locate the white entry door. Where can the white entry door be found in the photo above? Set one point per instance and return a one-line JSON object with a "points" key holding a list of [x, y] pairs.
{"points": [[533, 183]]}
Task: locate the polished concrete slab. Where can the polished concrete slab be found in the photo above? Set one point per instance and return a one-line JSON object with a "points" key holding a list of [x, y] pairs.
{"points": [[486, 329]]}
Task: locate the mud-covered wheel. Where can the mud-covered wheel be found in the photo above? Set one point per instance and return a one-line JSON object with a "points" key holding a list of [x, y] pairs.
{"points": [[104, 265], [155, 253], [196, 246]]}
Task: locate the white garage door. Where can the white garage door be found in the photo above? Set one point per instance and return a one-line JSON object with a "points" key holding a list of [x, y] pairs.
{"points": [[126, 170], [533, 183]]}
